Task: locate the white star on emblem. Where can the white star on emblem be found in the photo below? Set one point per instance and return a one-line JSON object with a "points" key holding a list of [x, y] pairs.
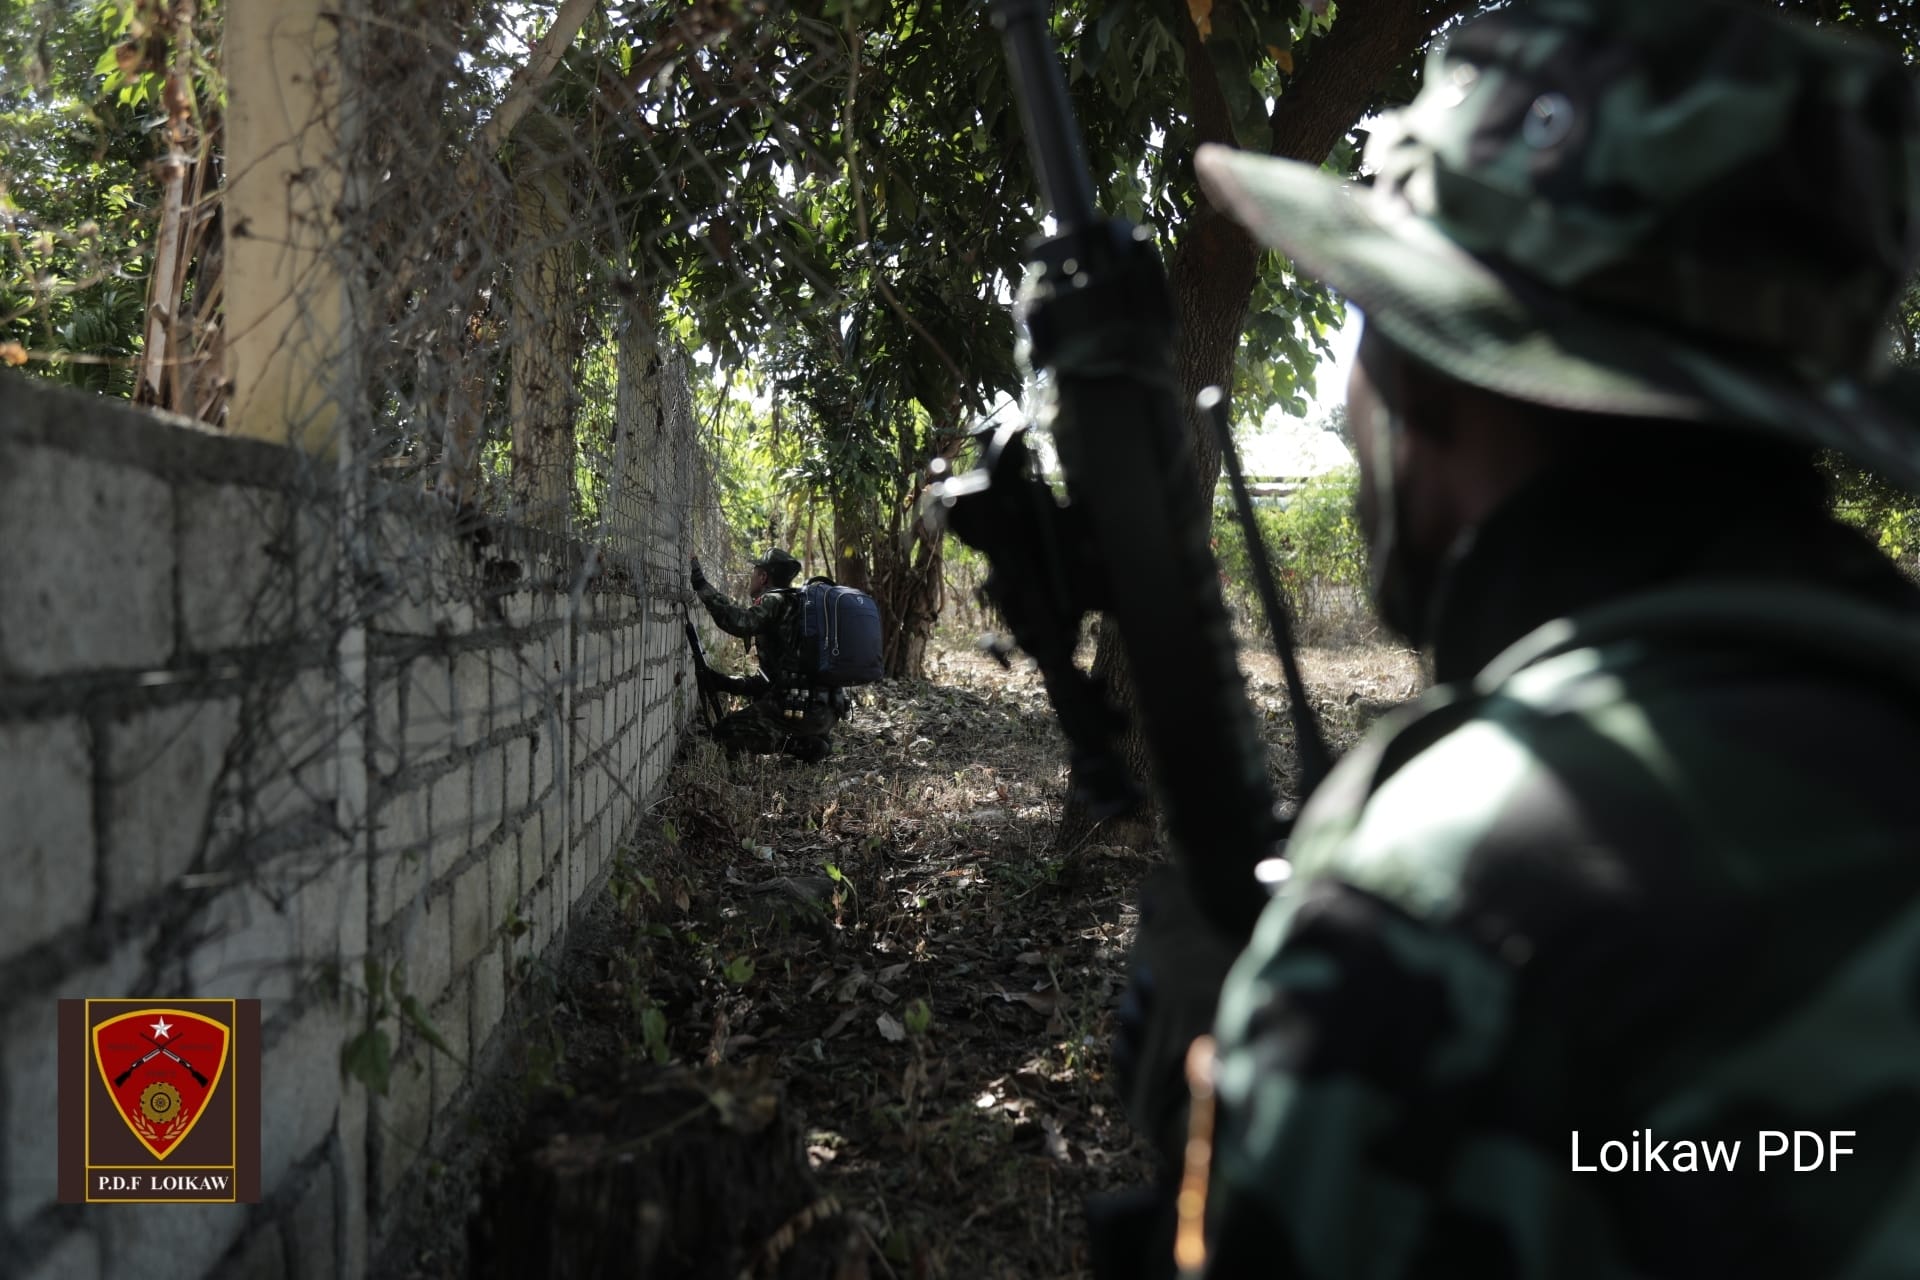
{"points": [[162, 1028]]}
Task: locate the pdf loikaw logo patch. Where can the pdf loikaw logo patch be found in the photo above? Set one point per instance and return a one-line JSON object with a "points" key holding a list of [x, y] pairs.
{"points": [[160, 1101]]}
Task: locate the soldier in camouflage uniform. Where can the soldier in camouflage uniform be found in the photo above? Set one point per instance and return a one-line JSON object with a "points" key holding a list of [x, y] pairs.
{"points": [[1644, 866], [798, 722]]}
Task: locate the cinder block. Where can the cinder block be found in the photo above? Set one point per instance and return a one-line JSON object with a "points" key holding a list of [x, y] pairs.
{"points": [[236, 568], [356, 1172], [261, 1256], [431, 588], [576, 870], [427, 947], [403, 1121], [403, 558], [553, 824], [316, 581], [556, 663], [162, 766], [398, 881], [519, 756], [86, 564], [539, 925], [472, 697], [489, 999], [400, 820], [386, 736], [290, 763], [532, 863], [300, 1091], [28, 1055], [472, 921], [313, 1230], [514, 691], [74, 1257], [534, 940], [450, 1018], [429, 731], [46, 797], [325, 888], [503, 871], [489, 790], [191, 1237], [249, 951], [451, 813], [558, 913]]}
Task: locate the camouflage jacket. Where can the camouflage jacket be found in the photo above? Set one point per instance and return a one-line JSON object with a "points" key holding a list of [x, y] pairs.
{"points": [[765, 622], [1648, 877], [761, 621]]}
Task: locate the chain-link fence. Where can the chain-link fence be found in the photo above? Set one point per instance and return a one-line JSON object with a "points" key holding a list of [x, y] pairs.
{"points": [[352, 720]]}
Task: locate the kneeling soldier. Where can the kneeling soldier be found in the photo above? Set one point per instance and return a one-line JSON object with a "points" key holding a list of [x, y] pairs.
{"points": [[782, 717]]}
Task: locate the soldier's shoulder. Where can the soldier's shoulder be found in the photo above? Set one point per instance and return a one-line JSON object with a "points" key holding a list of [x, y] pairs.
{"points": [[1577, 774]]}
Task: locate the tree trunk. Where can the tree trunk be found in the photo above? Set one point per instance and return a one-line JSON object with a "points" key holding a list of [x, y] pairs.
{"points": [[171, 250], [909, 562], [543, 346], [851, 565], [1212, 272], [906, 585]]}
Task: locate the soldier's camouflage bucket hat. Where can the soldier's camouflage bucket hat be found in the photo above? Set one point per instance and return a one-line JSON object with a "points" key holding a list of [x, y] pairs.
{"points": [[1663, 209], [779, 565]]}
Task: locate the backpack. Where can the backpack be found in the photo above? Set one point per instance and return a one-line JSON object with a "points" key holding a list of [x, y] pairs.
{"points": [[832, 636]]}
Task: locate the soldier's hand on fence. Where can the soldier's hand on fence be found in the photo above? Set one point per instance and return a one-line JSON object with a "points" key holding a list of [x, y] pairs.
{"points": [[1178, 964], [695, 577]]}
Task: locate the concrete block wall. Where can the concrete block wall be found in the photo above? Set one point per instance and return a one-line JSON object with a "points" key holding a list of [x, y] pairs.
{"points": [[248, 743]]}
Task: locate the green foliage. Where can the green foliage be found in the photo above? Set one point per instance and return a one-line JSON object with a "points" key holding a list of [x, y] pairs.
{"points": [[653, 1032], [1884, 512], [368, 1055], [1314, 542], [79, 105], [368, 1058]]}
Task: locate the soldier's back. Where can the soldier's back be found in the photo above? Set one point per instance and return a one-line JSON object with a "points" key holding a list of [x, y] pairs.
{"points": [[1560, 941]]}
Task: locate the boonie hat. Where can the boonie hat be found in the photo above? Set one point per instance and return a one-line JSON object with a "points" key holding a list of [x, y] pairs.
{"points": [[1667, 209], [779, 566]]}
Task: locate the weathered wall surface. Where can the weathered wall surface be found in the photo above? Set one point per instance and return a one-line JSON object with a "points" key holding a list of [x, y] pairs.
{"points": [[259, 727]]}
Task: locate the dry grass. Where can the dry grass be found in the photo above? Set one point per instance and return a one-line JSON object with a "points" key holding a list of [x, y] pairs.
{"points": [[888, 941]]}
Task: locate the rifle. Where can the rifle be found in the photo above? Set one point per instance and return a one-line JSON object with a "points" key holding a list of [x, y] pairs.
{"points": [[1131, 539], [710, 706]]}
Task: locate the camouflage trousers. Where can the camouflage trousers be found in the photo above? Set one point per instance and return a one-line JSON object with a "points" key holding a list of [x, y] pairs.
{"points": [[767, 728]]}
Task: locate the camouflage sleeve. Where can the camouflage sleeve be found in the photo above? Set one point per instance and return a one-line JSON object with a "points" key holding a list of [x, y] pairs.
{"points": [[756, 619], [1655, 917], [1361, 1127]]}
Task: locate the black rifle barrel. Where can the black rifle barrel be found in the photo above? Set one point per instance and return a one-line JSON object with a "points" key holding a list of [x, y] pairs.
{"points": [[1102, 322], [1041, 90]]}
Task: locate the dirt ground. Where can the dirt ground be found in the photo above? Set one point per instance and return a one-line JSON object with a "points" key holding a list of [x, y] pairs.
{"points": [[887, 951]]}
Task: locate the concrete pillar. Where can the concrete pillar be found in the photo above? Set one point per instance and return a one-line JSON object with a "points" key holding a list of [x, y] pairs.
{"points": [[287, 335]]}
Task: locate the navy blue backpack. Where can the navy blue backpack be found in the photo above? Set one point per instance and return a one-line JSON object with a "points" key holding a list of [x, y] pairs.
{"points": [[837, 640]]}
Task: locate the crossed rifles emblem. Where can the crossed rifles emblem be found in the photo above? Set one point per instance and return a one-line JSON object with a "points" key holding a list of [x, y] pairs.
{"points": [[160, 1104]]}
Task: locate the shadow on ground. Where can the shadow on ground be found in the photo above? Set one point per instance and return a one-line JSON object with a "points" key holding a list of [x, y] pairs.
{"points": [[837, 1020]]}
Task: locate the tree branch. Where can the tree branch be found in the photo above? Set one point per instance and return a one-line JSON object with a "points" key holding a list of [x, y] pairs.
{"points": [[530, 79]]}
